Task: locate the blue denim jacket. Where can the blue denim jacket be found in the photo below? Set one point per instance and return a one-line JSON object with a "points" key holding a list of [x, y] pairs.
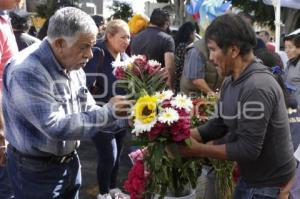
{"points": [[47, 110]]}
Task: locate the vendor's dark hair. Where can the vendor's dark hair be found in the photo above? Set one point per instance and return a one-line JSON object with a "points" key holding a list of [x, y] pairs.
{"points": [[230, 29]]}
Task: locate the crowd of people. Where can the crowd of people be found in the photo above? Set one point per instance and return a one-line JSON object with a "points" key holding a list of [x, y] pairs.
{"points": [[61, 89]]}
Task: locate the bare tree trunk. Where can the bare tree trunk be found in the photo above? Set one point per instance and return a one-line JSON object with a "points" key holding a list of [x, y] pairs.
{"points": [[177, 12], [180, 15], [182, 12], [289, 18]]}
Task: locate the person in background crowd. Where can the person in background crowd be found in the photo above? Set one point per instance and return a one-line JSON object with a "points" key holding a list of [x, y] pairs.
{"points": [[108, 145], [48, 109], [100, 23], [32, 31], [250, 19], [20, 26], [292, 71], [42, 33], [265, 36], [250, 89], [137, 23], [156, 44], [270, 59], [8, 48], [184, 36], [199, 76], [273, 61]]}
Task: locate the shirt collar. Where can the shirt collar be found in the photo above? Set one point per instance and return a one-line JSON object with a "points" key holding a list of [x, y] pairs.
{"points": [[48, 57]]}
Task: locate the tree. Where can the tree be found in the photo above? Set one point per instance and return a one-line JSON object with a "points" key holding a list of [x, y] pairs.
{"points": [[121, 10], [46, 10], [265, 15]]}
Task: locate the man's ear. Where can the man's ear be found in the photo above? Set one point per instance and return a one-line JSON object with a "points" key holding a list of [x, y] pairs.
{"points": [[60, 43], [234, 50]]}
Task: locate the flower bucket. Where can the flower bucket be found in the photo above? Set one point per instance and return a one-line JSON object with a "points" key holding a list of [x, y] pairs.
{"points": [[192, 195]]}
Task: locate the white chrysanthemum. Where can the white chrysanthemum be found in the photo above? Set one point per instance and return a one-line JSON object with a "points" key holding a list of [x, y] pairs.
{"points": [[134, 57], [121, 64], [164, 95], [182, 101], [140, 127], [152, 63], [169, 115]]}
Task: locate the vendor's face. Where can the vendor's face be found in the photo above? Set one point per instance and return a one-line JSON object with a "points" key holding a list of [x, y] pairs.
{"points": [[76, 55], [290, 49], [218, 58], [120, 41], [9, 4]]}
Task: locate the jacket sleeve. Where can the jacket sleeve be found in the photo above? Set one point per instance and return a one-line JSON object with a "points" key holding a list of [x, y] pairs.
{"points": [[33, 99], [256, 106]]}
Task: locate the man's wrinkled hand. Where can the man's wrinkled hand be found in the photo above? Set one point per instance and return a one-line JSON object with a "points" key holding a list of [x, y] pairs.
{"points": [[2, 155], [2, 149], [121, 106]]}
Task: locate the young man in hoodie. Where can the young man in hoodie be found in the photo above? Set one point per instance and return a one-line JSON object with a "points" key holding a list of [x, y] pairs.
{"points": [[252, 116]]}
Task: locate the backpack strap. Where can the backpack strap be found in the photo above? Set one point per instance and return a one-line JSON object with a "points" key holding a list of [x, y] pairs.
{"points": [[95, 85]]}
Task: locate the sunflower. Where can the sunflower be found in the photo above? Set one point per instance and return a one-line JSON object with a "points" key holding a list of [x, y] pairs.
{"points": [[145, 109]]}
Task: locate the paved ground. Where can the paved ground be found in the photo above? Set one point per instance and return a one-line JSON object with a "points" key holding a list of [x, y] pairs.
{"points": [[88, 157]]}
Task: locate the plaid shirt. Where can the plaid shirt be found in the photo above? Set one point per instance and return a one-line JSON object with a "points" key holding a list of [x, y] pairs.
{"points": [[47, 110]]}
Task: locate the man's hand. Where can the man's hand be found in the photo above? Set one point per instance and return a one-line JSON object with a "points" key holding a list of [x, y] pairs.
{"points": [[190, 151], [195, 134], [121, 106], [2, 150]]}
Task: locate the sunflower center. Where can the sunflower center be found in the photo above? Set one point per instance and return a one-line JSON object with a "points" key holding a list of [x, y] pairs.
{"points": [[146, 111]]}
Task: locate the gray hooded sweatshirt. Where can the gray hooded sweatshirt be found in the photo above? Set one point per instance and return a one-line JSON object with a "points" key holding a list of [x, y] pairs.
{"points": [[253, 114]]}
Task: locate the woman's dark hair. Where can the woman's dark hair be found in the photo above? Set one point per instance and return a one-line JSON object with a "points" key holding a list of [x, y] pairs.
{"points": [[183, 35], [98, 19], [230, 29], [273, 61], [19, 21], [269, 59]]}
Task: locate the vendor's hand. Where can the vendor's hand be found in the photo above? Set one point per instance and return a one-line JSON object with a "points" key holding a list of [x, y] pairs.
{"points": [[121, 106], [195, 134], [183, 149], [191, 150], [130, 122]]}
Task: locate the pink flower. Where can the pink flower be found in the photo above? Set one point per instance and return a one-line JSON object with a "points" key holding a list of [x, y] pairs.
{"points": [[181, 129], [140, 61], [155, 131], [135, 184], [119, 73], [137, 155]]}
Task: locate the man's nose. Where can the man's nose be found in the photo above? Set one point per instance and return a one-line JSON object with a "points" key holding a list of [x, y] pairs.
{"points": [[89, 54]]}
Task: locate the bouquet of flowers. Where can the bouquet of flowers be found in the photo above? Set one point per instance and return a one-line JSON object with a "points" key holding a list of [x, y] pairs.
{"points": [[204, 108], [139, 76], [161, 120]]}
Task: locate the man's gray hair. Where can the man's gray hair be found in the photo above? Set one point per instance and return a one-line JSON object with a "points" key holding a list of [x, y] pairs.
{"points": [[68, 22]]}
